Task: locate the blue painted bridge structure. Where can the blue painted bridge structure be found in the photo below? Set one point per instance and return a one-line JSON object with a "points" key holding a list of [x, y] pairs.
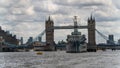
{"points": [[7, 47], [102, 46], [108, 46]]}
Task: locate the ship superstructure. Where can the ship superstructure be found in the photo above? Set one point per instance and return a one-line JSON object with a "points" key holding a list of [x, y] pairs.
{"points": [[76, 42]]}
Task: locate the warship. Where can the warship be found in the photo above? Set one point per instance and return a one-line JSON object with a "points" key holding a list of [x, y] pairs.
{"points": [[76, 42]]}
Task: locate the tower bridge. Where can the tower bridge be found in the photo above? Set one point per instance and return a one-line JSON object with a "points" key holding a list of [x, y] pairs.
{"points": [[49, 28], [50, 44]]}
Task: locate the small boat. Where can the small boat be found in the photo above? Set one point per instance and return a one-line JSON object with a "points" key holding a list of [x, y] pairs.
{"points": [[39, 53]]}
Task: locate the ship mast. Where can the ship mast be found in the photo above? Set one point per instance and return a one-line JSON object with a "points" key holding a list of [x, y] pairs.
{"points": [[75, 25]]}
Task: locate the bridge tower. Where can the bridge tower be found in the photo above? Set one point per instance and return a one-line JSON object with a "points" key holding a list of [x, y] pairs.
{"points": [[91, 35], [49, 25]]}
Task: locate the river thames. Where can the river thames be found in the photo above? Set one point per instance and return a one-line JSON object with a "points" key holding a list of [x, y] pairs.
{"points": [[60, 59]]}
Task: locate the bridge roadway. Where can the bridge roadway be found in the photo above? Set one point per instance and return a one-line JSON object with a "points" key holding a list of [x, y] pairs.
{"points": [[108, 46]]}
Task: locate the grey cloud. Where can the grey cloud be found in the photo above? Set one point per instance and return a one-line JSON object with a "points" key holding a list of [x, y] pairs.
{"points": [[41, 10], [13, 13], [101, 18], [66, 11], [106, 19], [116, 3], [80, 4]]}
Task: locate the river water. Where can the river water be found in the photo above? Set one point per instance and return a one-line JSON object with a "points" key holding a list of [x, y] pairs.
{"points": [[60, 59]]}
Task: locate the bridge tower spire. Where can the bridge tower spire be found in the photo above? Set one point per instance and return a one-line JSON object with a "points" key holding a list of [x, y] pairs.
{"points": [[49, 24], [91, 34]]}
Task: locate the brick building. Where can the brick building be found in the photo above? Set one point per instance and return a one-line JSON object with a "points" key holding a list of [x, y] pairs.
{"points": [[9, 38]]}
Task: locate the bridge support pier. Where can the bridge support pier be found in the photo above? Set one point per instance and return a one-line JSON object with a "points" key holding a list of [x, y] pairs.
{"points": [[91, 35], [50, 45]]}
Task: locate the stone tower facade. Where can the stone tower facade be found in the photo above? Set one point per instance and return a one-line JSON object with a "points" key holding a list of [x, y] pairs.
{"points": [[91, 35], [49, 25]]}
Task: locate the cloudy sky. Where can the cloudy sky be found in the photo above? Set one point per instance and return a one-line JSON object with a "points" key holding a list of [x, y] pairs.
{"points": [[27, 17]]}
